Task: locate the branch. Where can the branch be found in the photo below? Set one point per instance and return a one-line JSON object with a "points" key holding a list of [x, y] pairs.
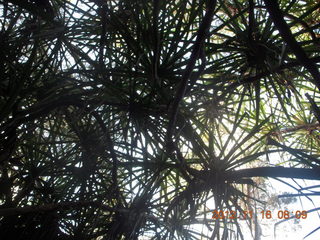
{"points": [[113, 154], [305, 158], [314, 107], [53, 207], [278, 19], [41, 8], [252, 79], [308, 127], [201, 35], [299, 194], [275, 172]]}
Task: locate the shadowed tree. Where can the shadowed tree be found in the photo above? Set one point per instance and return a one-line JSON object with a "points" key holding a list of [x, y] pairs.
{"points": [[128, 119]]}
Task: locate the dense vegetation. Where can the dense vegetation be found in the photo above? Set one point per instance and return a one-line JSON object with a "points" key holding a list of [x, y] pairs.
{"points": [[126, 119]]}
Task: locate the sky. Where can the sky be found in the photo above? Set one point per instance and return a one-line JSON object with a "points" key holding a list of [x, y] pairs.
{"points": [[290, 229]]}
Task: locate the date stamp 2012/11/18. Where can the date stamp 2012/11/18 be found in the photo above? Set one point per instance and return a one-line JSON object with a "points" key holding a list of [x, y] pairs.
{"points": [[266, 214]]}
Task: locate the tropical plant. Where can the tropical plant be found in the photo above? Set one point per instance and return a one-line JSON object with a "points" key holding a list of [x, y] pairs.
{"points": [[129, 119]]}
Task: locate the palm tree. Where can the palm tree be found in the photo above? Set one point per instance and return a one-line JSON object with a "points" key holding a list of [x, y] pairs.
{"points": [[137, 119]]}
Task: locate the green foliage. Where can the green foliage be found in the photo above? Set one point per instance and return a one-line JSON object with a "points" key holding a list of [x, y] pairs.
{"points": [[127, 119]]}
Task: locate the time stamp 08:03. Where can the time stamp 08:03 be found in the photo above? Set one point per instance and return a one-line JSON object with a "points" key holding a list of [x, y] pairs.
{"points": [[266, 214]]}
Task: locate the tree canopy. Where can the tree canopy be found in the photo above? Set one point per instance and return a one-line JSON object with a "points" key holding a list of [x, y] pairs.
{"points": [[124, 119]]}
